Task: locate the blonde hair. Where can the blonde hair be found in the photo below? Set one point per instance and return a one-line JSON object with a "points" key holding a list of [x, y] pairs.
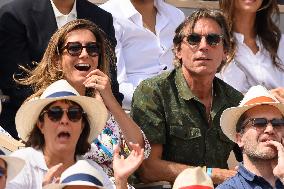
{"points": [[48, 70]]}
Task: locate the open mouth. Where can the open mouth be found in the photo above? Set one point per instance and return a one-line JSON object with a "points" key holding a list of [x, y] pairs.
{"points": [[64, 135], [83, 67]]}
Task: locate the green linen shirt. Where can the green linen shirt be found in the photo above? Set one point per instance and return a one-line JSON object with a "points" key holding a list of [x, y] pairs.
{"points": [[170, 114]]}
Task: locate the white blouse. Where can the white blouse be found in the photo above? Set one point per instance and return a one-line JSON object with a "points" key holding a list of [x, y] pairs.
{"points": [[140, 53], [249, 69]]}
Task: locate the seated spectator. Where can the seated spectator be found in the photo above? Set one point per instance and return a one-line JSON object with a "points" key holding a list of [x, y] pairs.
{"points": [[26, 27], [9, 168], [193, 178], [58, 128], [179, 111], [79, 53], [259, 55], [257, 125], [144, 31]]}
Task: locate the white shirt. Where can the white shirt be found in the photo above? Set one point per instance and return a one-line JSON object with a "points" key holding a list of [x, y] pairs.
{"points": [[33, 172], [62, 19], [249, 69], [140, 53]]}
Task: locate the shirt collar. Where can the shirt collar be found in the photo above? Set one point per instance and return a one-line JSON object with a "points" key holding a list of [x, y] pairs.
{"points": [[58, 14], [240, 39], [250, 176], [182, 86]]}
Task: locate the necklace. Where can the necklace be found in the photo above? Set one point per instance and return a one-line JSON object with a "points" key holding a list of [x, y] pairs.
{"points": [[209, 118]]}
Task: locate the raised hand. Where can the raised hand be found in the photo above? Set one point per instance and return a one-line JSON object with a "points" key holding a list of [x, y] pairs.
{"points": [[122, 167], [278, 167], [278, 93], [53, 174]]}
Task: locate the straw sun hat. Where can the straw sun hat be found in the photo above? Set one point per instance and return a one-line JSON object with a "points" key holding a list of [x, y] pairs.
{"points": [[81, 173], [256, 95], [29, 112], [193, 178], [14, 165]]}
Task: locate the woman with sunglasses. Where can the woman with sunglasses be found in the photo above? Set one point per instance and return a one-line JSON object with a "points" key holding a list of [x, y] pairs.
{"points": [[58, 128], [80, 53], [259, 55]]}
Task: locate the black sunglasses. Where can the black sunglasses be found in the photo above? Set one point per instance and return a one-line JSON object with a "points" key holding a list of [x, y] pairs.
{"points": [[261, 123], [212, 39], [55, 113], [75, 48]]}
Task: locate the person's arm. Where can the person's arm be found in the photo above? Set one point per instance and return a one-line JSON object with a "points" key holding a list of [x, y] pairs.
{"points": [[100, 82], [155, 169]]}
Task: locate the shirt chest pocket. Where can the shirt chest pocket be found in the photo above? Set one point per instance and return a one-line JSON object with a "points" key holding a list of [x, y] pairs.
{"points": [[185, 133]]}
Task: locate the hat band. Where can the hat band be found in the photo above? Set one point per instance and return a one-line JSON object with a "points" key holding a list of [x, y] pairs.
{"points": [[82, 177], [260, 99], [196, 187], [60, 94]]}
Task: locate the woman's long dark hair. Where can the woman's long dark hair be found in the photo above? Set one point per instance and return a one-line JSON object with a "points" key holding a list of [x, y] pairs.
{"points": [[265, 27]]}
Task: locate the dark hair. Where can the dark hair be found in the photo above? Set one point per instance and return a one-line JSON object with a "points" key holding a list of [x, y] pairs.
{"points": [[265, 27], [36, 138], [218, 17], [239, 126], [47, 71]]}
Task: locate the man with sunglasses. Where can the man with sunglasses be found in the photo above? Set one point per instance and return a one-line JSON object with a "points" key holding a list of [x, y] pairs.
{"points": [[257, 126], [179, 111]]}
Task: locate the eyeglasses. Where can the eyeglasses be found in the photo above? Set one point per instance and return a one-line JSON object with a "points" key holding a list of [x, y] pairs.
{"points": [[55, 113], [3, 171], [212, 39], [75, 48], [261, 123]]}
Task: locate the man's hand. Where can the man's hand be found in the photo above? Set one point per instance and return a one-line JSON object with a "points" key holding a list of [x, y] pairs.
{"points": [[220, 175], [278, 167]]}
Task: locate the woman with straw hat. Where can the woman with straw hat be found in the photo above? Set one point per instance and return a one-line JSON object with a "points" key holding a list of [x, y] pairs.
{"points": [[58, 128]]}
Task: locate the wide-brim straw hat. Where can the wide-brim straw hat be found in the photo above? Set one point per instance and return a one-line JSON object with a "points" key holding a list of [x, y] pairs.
{"points": [[193, 178], [82, 173], [14, 166], [256, 95], [29, 112]]}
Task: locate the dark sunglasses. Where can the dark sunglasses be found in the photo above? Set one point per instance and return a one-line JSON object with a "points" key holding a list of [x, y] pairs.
{"points": [[261, 123], [3, 171], [212, 39], [75, 48], [55, 113]]}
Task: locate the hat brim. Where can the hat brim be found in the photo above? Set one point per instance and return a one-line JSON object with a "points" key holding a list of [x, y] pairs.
{"points": [[29, 112], [231, 116], [78, 183], [14, 166]]}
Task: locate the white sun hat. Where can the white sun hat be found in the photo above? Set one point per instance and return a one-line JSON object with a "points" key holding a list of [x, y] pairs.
{"points": [[193, 178], [82, 173], [14, 165], [256, 95], [29, 112]]}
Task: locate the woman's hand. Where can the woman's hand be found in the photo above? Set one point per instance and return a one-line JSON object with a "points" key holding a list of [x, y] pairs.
{"points": [[123, 168], [100, 82], [53, 174]]}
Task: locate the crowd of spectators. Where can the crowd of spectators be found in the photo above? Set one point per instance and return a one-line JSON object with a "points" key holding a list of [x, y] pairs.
{"points": [[133, 92]]}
